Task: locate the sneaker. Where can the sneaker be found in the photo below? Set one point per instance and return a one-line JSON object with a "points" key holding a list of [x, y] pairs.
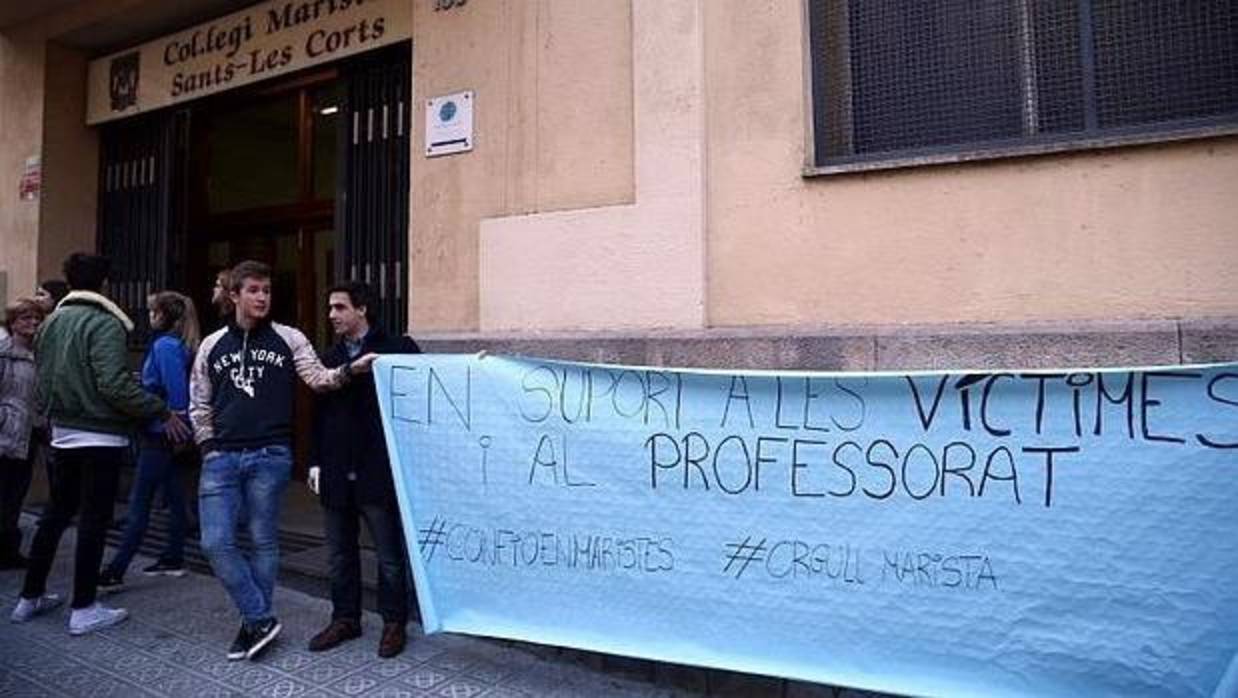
{"points": [[95, 617], [29, 608], [253, 638], [263, 634], [240, 645], [165, 569], [109, 582]]}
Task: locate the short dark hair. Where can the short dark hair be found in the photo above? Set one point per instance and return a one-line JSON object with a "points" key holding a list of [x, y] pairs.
{"points": [[359, 294], [55, 288], [86, 272], [249, 269]]}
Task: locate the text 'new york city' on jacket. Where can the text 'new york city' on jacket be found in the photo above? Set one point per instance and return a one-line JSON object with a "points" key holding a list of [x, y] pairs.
{"points": [[241, 387]]}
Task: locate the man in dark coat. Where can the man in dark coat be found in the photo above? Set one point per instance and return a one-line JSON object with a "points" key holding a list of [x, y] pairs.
{"points": [[351, 472]]}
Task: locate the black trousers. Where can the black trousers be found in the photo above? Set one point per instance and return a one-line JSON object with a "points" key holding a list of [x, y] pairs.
{"points": [[84, 483], [14, 483], [343, 530]]}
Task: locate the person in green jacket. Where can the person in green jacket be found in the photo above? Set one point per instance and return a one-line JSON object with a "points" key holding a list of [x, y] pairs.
{"points": [[90, 396]]}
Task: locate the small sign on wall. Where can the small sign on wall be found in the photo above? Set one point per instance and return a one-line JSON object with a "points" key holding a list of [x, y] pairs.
{"points": [[449, 124], [31, 179]]}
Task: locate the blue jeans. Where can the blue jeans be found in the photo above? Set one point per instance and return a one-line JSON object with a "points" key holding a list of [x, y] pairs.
{"points": [[156, 470], [253, 480]]}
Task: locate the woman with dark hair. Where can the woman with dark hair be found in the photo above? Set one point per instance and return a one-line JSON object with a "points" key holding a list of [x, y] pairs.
{"points": [[165, 372], [51, 292]]}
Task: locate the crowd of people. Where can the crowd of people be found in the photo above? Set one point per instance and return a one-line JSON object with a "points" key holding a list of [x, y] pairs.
{"points": [[69, 397]]}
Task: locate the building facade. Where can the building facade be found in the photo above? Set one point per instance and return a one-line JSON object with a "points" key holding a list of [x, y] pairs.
{"points": [[802, 183]]}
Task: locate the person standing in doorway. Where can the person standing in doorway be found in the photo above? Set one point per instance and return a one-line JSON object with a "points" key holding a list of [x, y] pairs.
{"points": [[351, 473], [17, 415], [93, 402], [241, 400], [165, 372], [221, 299]]}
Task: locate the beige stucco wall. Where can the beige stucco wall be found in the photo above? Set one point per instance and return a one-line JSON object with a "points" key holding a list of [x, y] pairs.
{"points": [[637, 164], [553, 131], [42, 92], [1119, 234], [69, 203], [21, 127], [636, 266]]}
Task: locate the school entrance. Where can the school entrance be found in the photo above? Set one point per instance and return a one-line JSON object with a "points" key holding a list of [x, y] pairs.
{"points": [[308, 173]]}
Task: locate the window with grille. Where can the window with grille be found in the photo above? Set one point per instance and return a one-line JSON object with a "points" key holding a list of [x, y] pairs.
{"points": [[898, 82]]}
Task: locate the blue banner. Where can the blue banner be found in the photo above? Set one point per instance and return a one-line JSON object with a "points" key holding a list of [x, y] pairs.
{"points": [[1068, 533]]}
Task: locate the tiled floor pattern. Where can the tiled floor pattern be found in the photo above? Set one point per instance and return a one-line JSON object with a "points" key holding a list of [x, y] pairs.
{"points": [[175, 641]]}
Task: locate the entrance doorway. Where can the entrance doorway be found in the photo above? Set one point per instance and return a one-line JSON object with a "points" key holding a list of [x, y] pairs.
{"points": [[264, 188], [309, 174]]}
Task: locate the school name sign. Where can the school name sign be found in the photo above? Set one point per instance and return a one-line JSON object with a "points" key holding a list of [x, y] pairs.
{"points": [[266, 40], [939, 534]]}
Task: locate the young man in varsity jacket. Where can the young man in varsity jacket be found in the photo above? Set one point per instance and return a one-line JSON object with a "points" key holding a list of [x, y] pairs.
{"points": [[351, 473], [240, 401]]}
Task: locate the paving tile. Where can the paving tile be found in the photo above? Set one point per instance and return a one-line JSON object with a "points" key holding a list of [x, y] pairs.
{"points": [[452, 662], [394, 690], [325, 671], [175, 643], [141, 669], [186, 684], [286, 688], [390, 668], [86, 681], [189, 654], [21, 688], [424, 650], [355, 685], [487, 672], [292, 662], [351, 656], [424, 678], [460, 688], [249, 678], [505, 692], [219, 667]]}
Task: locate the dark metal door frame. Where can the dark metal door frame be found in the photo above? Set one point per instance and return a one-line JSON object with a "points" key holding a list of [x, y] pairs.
{"points": [[372, 199]]}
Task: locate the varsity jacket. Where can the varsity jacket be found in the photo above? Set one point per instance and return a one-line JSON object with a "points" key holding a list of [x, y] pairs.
{"points": [[241, 386]]}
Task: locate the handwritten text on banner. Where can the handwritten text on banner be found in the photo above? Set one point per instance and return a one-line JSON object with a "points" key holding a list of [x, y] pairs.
{"points": [[990, 534]]}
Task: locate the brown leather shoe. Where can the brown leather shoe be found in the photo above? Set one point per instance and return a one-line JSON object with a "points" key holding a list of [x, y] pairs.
{"points": [[338, 631], [393, 640]]}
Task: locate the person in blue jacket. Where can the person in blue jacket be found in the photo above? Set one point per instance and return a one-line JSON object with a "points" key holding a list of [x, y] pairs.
{"points": [[165, 372]]}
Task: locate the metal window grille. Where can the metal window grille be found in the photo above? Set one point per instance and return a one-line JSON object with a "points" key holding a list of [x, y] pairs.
{"points": [[901, 79], [140, 214]]}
